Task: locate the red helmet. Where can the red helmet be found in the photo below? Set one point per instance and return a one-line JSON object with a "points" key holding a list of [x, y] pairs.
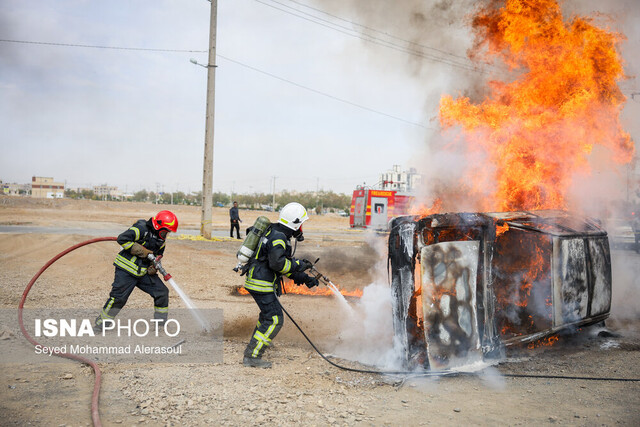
{"points": [[166, 220]]}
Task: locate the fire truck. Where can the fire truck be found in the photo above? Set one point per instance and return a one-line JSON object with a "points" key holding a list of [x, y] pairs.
{"points": [[374, 208]]}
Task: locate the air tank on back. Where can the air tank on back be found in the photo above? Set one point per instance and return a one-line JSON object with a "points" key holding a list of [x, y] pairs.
{"points": [[252, 240]]}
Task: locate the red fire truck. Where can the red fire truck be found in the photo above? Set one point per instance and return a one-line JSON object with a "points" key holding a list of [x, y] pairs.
{"points": [[374, 208]]}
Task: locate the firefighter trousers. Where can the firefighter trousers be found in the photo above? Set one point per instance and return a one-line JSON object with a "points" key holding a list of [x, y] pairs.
{"points": [[269, 324], [123, 285]]}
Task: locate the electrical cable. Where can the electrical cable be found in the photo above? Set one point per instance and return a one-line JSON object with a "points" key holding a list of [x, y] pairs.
{"points": [[364, 371], [570, 377], [444, 52], [379, 41], [323, 93], [95, 415], [447, 372], [335, 98], [373, 39], [102, 47]]}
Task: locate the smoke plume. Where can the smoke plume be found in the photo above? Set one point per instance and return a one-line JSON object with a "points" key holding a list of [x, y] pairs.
{"points": [[461, 171], [366, 333]]}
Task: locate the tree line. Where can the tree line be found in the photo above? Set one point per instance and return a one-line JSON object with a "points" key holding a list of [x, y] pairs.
{"points": [[321, 201]]}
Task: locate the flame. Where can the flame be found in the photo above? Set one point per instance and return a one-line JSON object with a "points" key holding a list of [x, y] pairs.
{"points": [[537, 131], [501, 229], [292, 288], [423, 209], [524, 270], [416, 298], [544, 342]]}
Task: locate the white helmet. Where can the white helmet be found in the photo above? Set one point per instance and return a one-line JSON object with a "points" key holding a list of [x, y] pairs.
{"points": [[293, 215]]}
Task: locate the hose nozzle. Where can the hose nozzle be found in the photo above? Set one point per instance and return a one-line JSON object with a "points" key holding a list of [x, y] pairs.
{"points": [[158, 265], [317, 274]]}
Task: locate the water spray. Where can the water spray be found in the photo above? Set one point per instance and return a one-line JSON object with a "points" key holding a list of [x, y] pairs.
{"points": [[190, 305], [324, 279]]}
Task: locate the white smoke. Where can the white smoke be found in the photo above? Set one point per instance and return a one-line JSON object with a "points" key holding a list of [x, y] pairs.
{"points": [[435, 37], [626, 287], [366, 333], [367, 336], [492, 378], [442, 24]]}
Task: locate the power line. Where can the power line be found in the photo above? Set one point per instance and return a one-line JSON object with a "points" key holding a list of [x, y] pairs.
{"points": [[374, 40], [102, 47], [377, 31], [227, 59], [323, 93]]}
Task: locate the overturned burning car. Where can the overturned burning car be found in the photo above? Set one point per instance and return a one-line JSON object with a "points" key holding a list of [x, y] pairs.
{"points": [[467, 285]]}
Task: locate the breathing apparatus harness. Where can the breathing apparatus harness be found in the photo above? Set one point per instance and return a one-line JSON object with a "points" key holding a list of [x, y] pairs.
{"points": [[256, 235]]}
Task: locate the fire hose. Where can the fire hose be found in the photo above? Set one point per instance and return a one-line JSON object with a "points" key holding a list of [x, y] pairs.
{"points": [[321, 277], [445, 372], [95, 415]]}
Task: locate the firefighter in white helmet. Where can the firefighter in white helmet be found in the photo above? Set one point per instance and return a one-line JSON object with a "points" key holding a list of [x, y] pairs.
{"points": [[272, 260]]}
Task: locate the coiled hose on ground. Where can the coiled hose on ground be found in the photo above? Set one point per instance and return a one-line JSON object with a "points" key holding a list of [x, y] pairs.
{"points": [[95, 415]]}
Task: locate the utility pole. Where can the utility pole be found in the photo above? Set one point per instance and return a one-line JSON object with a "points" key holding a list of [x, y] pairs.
{"points": [[207, 174], [318, 195], [273, 201]]}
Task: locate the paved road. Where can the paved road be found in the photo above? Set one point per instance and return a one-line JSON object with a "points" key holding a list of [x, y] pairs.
{"points": [[333, 235], [25, 229]]}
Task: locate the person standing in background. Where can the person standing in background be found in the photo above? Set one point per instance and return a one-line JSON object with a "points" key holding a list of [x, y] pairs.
{"points": [[235, 220]]}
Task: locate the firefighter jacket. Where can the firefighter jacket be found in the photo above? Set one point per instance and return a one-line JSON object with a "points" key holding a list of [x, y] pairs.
{"points": [[141, 232], [271, 261]]}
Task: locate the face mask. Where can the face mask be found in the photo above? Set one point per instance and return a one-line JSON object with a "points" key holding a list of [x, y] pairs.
{"points": [[163, 234], [298, 235]]}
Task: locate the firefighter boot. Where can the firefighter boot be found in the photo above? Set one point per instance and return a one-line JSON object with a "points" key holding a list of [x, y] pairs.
{"points": [[255, 362], [97, 327]]}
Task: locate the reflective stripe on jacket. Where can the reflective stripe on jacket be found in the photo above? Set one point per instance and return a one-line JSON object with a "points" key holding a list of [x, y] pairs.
{"points": [[141, 232], [272, 260]]}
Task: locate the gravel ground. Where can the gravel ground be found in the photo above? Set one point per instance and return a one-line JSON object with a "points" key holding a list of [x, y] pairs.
{"points": [[301, 388]]}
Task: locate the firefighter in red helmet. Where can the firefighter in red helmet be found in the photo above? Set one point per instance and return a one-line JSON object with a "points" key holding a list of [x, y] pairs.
{"points": [[133, 268]]}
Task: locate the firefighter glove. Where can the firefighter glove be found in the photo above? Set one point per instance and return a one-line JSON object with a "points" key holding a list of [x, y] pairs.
{"points": [[151, 270], [305, 264], [311, 282], [298, 277], [140, 251]]}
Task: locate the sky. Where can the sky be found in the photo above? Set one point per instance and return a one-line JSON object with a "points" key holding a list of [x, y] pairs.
{"points": [[320, 94]]}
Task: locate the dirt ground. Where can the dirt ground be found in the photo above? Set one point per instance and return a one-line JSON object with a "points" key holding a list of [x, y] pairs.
{"points": [[301, 388]]}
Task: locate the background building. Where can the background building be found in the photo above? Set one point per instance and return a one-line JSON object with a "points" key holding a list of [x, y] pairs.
{"points": [[107, 191], [398, 180], [46, 187], [13, 189]]}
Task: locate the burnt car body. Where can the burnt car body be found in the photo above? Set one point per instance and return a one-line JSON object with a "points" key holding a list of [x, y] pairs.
{"points": [[467, 285]]}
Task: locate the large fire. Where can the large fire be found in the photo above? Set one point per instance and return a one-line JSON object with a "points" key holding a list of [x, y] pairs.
{"points": [[292, 288], [534, 133], [528, 139]]}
